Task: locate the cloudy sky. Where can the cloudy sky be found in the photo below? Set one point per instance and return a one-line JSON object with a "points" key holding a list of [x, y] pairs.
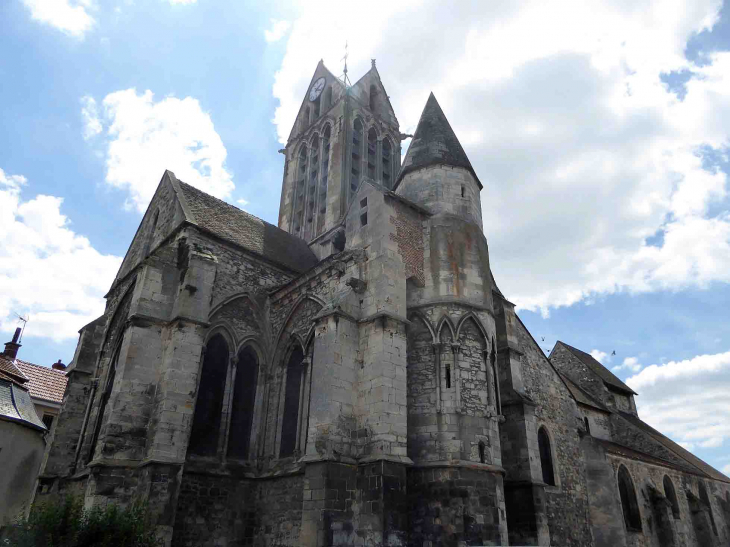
{"points": [[600, 131]]}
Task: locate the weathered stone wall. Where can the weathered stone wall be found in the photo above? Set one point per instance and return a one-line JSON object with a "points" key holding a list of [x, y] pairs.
{"points": [[224, 510], [599, 422], [22, 452], [567, 502], [444, 189], [654, 531], [456, 506]]}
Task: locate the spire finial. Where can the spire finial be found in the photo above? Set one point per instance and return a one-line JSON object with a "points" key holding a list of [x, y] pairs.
{"points": [[345, 79], [372, 61]]}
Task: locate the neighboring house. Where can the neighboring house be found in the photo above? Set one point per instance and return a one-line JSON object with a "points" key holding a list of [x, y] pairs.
{"points": [[355, 376], [46, 386], [22, 435]]}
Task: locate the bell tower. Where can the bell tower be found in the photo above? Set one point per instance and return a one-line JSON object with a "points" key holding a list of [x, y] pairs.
{"points": [[342, 135]]}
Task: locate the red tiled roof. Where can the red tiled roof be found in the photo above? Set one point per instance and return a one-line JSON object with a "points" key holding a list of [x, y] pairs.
{"points": [[43, 382]]}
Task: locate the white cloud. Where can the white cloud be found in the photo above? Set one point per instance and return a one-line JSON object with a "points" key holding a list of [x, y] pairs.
{"points": [[47, 271], [687, 400], [90, 114], [630, 363], [182, 2], [69, 16], [579, 138], [601, 356], [143, 137], [726, 469], [242, 202], [277, 31]]}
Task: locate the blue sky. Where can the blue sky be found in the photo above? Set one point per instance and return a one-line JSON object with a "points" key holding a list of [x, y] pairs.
{"points": [[601, 139]]}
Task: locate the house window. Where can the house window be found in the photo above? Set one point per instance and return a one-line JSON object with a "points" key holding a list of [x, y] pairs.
{"points": [[244, 397], [209, 401], [364, 219], [291, 403], [671, 495], [630, 506], [546, 457]]}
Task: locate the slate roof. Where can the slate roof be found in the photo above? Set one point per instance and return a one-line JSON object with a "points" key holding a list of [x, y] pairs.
{"points": [[17, 406], [434, 143], [245, 230], [606, 375], [10, 371], [670, 445], [581, 396], [44, 382]]}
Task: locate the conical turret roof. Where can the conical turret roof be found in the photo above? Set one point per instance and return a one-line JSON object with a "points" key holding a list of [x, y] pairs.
{"points": [[434, 143]]}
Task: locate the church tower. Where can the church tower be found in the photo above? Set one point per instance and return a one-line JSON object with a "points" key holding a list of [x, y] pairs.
{"points": [[342, 135]]}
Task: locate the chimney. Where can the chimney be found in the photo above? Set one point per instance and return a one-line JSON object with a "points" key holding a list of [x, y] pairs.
{"points": [[11, 348], [58, 366]]}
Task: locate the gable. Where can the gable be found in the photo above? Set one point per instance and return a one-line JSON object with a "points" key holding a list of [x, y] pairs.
{"points": [[370, 92], [163, 215], [331, 94]]}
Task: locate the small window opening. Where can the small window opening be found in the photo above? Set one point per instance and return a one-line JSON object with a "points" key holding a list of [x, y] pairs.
{"points": [[587, 424], [48, 421], [671, 496], [364, 219], [482, 452], [448, 376], [629, 504], [363, 202], [463, 190], [546, 457]]}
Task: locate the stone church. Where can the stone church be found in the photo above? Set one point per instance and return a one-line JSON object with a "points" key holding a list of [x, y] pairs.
{"points": [[355, 376]]}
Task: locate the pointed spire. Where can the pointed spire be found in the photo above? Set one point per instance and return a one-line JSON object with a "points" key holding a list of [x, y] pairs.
{"points": [[434, 143]]}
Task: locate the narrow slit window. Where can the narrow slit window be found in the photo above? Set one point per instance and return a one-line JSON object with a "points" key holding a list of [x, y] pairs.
{"points": [[587, 424], [386, 158], [364, 219], [357, 138], [363, 203], [448, 376], [463, 190], [482, 452], [546, 457]]}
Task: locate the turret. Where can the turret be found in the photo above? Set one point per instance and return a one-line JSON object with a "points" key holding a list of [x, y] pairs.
{"points": [[436, 172]]}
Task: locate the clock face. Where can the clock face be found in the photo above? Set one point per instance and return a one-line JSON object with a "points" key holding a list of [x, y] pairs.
{"points": [[316, 90]]}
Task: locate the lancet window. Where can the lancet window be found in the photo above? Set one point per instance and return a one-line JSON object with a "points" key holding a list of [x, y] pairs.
{"points": [[372, 153], [244, 397], [356, 156], [546, 456], [209, 400], [300, 189], [292, 398], [629, 504], [323, 181], [387, 166], [671, 495]]}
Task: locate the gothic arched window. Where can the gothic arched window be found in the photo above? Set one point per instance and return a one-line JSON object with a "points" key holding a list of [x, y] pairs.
{"points": [[629, 504], [322, 199], [546, 456], [493, 364], [372, 152], [290, 420], [671, 495], [244, 397], [387, 165], [209, 402], [299, 190], [312, 178], [706, 500], [357, 142]]}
